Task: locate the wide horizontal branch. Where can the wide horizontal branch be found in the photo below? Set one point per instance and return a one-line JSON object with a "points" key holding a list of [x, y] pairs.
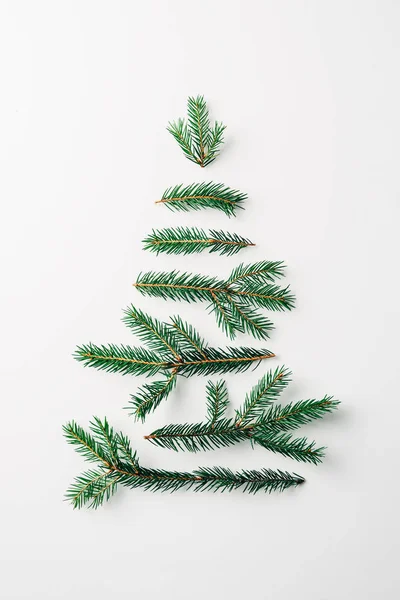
{"points": [[117, 464], [259, 420], [173, 349], [233, 300], [137, 361]]}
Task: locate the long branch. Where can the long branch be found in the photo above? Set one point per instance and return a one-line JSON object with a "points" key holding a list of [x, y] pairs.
{"points": [[181, 363], [223, 290]]}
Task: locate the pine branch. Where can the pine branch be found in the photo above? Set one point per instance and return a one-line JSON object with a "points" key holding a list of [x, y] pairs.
{"points": [[203, 195], [104, 435], [217, 401], [264, 270], [155, 334], [175, 349], [233, 316], [150, 396], [198, 437], [128, 360], [299, 449], [191, 240], [188, 337], [262, 395], [232, 301], [121, 359], [216, 141], [199, 126], [92, 488], [294, 415], [180, 131], [85, 443], [197, 140], [96, 486], [124, 450], [257, 421], [217, 361]]}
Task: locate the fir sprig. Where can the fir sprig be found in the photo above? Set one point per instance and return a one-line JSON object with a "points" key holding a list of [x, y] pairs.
{"points": [[191, 240], [199, 142], [217, 401], [174, 349], [233, 301], [121, 467], [294, 415], [259, 420], [262, 395], [203, 195]]}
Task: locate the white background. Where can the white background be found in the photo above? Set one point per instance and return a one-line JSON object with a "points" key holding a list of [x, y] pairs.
{"points": [[310, 94]]}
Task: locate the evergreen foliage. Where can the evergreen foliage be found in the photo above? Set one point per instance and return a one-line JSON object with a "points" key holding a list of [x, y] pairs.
{"points": [[259, 420], [173, 349], [199, 142], [233, 301], [203, 195], [191, 240], [117, 464]]}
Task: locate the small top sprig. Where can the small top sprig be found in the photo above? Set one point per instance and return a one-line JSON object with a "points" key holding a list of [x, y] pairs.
{"points": [[199, 142]]}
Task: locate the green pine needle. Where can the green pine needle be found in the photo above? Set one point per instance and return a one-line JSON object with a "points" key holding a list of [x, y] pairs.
{"points": [[203, 195], [96, 486], [174, 349], [199, 142], [233, 301], [191, 240]]}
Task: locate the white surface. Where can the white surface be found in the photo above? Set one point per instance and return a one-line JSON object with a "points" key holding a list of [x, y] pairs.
{"points": [[310, 94]]}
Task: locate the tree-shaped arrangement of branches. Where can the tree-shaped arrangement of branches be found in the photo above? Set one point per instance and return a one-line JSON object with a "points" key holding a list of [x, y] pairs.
{"points": [[203, 195], [117, 464], [259, 420], [199, 141], [191, 240], [233, 301], [173, 349]]}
